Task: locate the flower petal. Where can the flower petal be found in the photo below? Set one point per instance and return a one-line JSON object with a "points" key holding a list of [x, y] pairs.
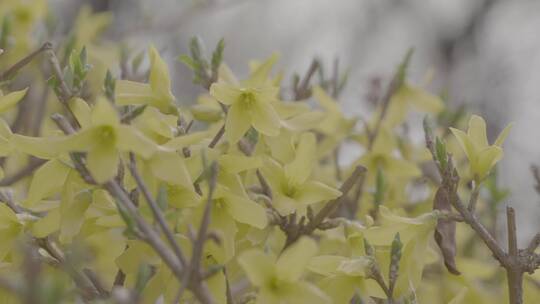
{"points": [[477, 131], [104, 113], [10, 100], [502, 136], [264, 118], [102, 162], [292, 262], [237, 123], [246, 211], [171, 168], [131, 93], [313, 192], [225, 93], [259, 267], [130, 139], [465, 143], [299, 170], [487, 158]]}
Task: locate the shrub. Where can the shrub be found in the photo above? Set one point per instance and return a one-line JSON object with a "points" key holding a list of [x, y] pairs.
{"points": [[115, 192]]}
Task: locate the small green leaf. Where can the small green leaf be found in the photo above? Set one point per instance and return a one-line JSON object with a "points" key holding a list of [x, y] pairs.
{"points": [[380, 188], [217, 56], [162, 197], [440, 149], [395, 257], [370, 251], [143, 276]]}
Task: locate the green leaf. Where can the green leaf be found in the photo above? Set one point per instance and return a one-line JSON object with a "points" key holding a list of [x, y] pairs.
{"points": [[188, 61], [143, 276], [162, 197], [440, 149], [395, 255], [217, 56], [380, 188]]}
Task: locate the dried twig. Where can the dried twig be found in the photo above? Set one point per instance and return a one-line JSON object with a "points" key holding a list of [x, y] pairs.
{"points": [[7, 74], [516, 261]]}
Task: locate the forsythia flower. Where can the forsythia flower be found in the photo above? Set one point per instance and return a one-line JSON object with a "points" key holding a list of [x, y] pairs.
{"points": [[482, 156], [292, 188], [103, 139], [156, 93], [10, 100], [342, 276], [278, 279], [249, 106]]}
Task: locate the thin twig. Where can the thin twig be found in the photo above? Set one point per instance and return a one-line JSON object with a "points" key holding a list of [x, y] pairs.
{"points": [[156, 211], [64, 93], [217, 137], [7, 74]]}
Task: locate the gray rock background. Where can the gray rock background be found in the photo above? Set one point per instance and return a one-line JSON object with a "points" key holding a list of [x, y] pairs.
{"points": [[486, 53]]}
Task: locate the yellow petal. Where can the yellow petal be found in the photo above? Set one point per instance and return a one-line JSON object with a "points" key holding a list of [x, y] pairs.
{"points": [[477, 131], [10, 100], [42, 185], [325, 265], [502, 136], [313, 192], [46, 225], [465, 143], [72, 216], [171, 168], [237, 124], [82, 111], [81, 141], [239, 163], [132, 93], [183, 141], [265, 119], [304, 292], [104, 113], [258, 267], [292, 262], [401, 168], [422, 99], [299, 170], [131, 139], [326, 102], [159, 74], [261, 73], [102, 162], [246, 211], [487, 158], [225, 93]]}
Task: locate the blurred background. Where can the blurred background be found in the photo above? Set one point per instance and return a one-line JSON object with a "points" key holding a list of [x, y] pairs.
{"points": [[483, 54]]}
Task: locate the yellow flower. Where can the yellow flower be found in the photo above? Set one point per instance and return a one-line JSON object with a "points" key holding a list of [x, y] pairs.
{"points": [[103, 139], [482, 156], [343, 276], [249, 107], [279, 280], [292, 188], [408, 96], [156, 93], [10, 100]]}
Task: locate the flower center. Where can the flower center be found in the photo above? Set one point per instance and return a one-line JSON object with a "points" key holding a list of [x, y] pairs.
{"points": [[107, 134], [247, 99]]}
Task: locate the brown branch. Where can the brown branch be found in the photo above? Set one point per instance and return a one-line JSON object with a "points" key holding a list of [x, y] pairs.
{"points": [[217, 137], [156, 211], [64, 93], [295, 230], [32, 165], [7, 74], [515, 261], [192, 275]]}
